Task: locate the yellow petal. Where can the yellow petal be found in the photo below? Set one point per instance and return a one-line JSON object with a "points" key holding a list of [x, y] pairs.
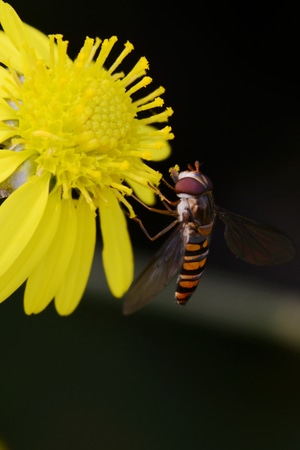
{"points": [[40, 42], [36, 248], [20, 215], [18, 33], [9, 55], [10, 161], [6, 134], [47, 276], [162, 148], [6, 112], [145, 194], [6, 83], [161, 153], [117, 252], [12, 25], [70, 292]]}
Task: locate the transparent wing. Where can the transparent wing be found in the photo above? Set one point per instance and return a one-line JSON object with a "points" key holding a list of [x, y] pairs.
{"points": [[254, 241], [157, 274]]}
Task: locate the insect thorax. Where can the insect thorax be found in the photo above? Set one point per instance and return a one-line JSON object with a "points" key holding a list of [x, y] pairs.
{"points": [[198, 210]]}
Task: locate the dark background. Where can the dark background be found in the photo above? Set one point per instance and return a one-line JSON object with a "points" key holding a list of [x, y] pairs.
{"points": [[97, 380]]}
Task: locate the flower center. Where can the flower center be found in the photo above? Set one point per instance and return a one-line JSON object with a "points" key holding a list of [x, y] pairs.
{"points": [[78, 119]]}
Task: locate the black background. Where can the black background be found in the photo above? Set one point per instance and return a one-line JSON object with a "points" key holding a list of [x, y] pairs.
{"points": [[97, 380]]}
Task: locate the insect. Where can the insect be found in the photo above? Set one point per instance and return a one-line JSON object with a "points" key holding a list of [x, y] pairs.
{"points": [[186, 250]]}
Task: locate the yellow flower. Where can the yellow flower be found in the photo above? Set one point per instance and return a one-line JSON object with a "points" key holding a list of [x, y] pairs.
{"points": [[74, 137]]}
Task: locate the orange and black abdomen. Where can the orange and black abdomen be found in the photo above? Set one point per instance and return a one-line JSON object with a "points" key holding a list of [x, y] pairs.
{"points": [[194, 260]]}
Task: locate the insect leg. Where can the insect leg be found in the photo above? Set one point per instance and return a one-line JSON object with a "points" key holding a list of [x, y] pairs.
{"points": [[164, 199], [160, 233], [167, 184], [168, 211]]}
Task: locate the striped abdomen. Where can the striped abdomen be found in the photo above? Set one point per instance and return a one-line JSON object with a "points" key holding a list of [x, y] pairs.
{"points": [[195, 255]]}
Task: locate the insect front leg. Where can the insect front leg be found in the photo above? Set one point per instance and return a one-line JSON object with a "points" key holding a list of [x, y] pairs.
{"points": [[166, 202], [167, 212], [160, 233]]}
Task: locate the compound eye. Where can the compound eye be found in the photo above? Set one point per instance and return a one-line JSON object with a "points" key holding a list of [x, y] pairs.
{"points": [[193, 186]]}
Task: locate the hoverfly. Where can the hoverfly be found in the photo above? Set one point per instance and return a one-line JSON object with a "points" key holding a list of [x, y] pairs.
{"points": [[187, 248]]}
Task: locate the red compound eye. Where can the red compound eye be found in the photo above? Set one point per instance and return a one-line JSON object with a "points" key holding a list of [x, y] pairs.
{"points": [[193, 186]]}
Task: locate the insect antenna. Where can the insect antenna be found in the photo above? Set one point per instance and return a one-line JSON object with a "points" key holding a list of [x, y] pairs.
{"points": [[195, 168]]}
